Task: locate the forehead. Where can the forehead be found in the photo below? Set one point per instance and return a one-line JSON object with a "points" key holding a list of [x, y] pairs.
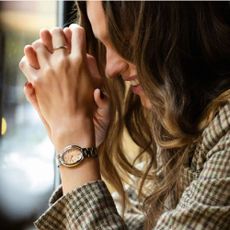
{"points": [[97, 18]]}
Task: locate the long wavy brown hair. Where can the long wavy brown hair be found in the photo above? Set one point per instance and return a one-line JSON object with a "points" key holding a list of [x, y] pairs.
{"points": [[182, 54]]}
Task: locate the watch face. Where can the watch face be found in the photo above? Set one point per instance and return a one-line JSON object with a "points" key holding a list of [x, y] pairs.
{"points": [[72, 157]]}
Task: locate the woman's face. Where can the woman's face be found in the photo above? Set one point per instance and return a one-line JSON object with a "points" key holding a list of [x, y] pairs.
{"points": [[115, 64]]}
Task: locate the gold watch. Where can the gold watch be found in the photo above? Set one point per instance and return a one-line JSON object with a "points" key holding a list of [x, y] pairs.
{"points": [[73, 155]]}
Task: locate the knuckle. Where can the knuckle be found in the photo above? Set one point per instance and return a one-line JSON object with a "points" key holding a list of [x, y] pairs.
{"points": [[77, 59], [22, 63], [43, 30], [56, 30], [81, 32], [62, 62], [37, 44], [34, 43], [79, 29], [74, 26], [47, 72], [37, 82]]}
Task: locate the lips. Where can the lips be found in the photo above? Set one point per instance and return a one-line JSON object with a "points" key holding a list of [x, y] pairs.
{"points": [[137, 89]]}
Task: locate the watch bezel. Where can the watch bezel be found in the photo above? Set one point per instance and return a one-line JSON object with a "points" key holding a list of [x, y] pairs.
{"points": [[66, 151]]}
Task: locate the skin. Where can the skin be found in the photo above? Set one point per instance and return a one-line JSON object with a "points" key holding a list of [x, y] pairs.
{"points": [[57, 85], [115, 64]]}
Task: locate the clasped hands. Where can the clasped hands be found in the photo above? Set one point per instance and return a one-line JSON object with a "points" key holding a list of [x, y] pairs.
{"points": [[63, 85]]}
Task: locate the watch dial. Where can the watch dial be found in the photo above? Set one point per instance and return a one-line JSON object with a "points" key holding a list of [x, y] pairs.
{"points": [[72, 156]]}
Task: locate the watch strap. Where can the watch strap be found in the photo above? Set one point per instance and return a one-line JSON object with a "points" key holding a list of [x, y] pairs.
{"points": [[89, 152]]}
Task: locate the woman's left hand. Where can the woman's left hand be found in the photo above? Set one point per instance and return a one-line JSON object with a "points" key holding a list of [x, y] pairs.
{"points": [[63, 86], [51, 71]]}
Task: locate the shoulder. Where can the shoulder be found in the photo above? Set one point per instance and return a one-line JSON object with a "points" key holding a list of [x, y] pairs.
{"points": [[219, 127], [215, 138], [206, 182]]}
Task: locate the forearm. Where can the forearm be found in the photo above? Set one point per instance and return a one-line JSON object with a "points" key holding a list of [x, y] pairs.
{"points": [[72, 178], [80, 132]]}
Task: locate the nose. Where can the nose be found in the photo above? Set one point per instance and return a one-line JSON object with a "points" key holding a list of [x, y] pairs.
{"points": [[115, 64]]}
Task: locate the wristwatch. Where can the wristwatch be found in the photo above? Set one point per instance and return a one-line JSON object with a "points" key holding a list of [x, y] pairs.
{"points": [[73, 155]]}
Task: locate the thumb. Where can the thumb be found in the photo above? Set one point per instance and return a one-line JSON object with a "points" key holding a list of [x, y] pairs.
{"points": [[101, 99]]}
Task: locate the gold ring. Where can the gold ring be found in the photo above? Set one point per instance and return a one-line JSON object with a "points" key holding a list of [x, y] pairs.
{"points": [[59, 47]]}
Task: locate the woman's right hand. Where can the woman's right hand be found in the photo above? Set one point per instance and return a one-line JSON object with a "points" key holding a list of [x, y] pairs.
{"points": [[101, 116]]}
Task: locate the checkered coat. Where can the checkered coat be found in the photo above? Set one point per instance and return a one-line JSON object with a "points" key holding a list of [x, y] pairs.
{"points": [[204, 204]]}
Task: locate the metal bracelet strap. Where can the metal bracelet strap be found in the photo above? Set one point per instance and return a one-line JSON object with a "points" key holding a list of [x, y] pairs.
{"points": [[89, 152], [58, 161]]}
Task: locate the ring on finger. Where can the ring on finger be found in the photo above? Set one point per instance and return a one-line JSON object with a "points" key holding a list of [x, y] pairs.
{"points": [[59, 47]]}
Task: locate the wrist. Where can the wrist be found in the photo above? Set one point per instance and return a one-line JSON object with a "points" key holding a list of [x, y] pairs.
{"points": [[86, 172], [78, 131]]}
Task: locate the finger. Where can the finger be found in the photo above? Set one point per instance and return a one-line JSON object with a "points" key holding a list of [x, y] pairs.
{"points": [[78, 40], [93, 69], [41, 52], [101, 99], [58, 41], [27, 70], [68, 34], [31, 97], [46, 38], [30, 94], [31, 56]]}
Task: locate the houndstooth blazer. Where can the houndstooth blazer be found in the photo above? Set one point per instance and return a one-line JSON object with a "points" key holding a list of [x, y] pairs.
{"points": [[204, 204]]}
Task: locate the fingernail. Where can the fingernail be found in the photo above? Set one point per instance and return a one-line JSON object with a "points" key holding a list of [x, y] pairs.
{"points": [[28, 84]]}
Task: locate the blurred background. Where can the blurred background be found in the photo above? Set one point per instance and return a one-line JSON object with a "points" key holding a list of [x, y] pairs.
{"points": [[27, 168]]}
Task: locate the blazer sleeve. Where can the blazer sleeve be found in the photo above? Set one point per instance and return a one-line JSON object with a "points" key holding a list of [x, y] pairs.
{"points": [[88, 207], [205, 203]]}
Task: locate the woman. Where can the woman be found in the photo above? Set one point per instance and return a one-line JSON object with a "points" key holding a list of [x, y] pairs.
{"points": [[175, 56]]}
